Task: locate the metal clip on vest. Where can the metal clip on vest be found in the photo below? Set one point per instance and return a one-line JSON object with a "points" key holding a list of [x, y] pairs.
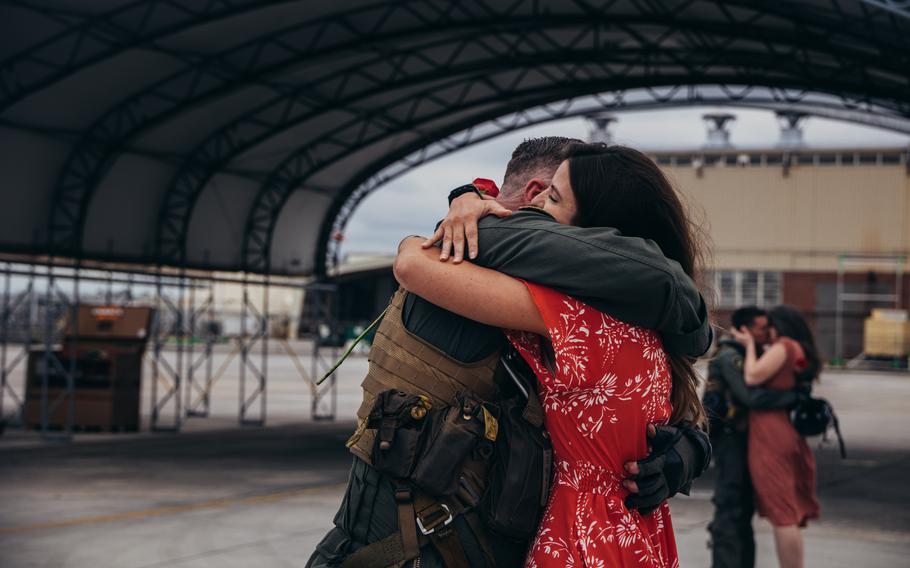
{"points": [[437, 518]]}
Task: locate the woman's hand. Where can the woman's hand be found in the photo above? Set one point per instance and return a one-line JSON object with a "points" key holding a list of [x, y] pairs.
{"points": [[460, 225], [743, 336]]}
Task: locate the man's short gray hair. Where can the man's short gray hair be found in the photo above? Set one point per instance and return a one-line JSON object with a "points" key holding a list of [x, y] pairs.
{"points": [[535, 157]]}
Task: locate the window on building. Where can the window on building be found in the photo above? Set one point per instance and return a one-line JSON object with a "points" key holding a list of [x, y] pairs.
{"points": [[735, 288], [748, 287], [726, 288], [771, 289]]}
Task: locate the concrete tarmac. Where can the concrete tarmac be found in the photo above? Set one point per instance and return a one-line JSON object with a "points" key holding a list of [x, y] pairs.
{"points": [[218, 495]]}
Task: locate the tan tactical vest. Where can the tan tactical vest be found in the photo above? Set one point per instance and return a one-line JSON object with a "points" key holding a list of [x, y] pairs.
{"points": [[401, 360]]}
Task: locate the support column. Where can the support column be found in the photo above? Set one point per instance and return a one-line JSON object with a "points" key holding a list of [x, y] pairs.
{"points": [[162, 370]]}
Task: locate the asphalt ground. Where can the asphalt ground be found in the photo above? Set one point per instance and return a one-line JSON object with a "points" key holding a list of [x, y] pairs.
{"points": [[219, 495]]}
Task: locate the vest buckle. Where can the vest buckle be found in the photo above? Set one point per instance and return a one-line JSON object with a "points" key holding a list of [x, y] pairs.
{"points": [[440, 517]]}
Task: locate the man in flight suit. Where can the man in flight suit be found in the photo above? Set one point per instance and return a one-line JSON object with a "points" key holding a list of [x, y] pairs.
{"points": [[626, 277], [727, 402]]}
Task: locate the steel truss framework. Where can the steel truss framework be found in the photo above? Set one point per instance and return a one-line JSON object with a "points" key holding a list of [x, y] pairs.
{"points": [[337, 100], [323, 298], [38, 295], [33, 318]]}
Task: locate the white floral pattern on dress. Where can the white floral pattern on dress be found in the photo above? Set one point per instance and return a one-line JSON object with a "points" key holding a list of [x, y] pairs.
{"points": [[604, 372]]}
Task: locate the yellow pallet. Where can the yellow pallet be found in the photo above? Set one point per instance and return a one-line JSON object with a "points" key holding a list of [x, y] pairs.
{"points": [[886, 337]]}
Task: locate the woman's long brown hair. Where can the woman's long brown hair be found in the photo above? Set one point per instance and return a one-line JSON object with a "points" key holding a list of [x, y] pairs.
{"points": [[619, 187]]}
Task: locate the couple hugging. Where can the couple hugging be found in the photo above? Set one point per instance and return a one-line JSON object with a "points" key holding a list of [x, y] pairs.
{"points": [[579, 294]]}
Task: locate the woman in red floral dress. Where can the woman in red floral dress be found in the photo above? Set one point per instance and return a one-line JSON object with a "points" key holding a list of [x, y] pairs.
{"points": [[602, 381]]}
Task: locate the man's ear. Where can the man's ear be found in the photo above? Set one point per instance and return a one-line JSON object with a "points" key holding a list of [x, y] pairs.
{"points": [[533, 188]]}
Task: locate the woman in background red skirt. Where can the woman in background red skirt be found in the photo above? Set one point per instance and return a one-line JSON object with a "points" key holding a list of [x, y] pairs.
{"points": [[781, 464]]}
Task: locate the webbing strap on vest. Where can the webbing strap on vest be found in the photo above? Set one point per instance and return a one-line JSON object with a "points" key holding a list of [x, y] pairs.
{"points": [[435, 518], [380, 554], [407, 521], [396, 548], [425, 519], [449, 547]]}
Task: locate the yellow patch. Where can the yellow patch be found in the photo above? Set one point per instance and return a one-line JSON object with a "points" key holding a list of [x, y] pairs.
{"points": [[355, 437], [490, 425]]}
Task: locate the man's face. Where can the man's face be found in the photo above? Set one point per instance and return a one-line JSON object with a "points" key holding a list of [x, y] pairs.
{"points": [[529, 189], [759, 330]]}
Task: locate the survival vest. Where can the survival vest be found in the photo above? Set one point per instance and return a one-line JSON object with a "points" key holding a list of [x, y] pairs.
{"points": [[402, 361], [425, 410]]}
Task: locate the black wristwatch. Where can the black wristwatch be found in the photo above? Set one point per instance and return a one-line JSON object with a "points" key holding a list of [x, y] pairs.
{"points": [[459, 191]]}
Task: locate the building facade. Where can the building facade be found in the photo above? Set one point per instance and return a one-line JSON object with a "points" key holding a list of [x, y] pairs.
{"points": [[827, 231]]}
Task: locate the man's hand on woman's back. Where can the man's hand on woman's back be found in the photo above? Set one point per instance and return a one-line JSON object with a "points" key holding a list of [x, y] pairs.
{"points": [[677, 456]]}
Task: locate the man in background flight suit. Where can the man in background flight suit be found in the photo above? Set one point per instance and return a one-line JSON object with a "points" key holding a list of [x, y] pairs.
{"points": [[626, 277]]}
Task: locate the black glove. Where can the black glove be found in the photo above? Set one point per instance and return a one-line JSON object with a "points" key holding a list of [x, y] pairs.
{"points": [[678, 455]]}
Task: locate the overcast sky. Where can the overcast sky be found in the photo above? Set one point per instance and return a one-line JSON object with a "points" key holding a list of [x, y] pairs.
{"points": [[413, 203]]}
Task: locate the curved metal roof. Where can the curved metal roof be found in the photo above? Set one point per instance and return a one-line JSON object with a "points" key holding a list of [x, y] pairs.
{"points": [[235, 135]]}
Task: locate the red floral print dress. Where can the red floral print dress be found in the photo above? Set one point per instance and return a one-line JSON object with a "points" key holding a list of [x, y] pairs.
{"points": [[611, 380]]}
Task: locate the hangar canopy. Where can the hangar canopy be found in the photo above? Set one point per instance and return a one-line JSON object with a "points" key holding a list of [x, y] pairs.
{"points": [[239, 134]]}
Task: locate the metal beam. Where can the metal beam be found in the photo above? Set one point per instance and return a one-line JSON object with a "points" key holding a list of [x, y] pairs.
{"points": [[89, 39], [897, 7], [216, 76], [377, 174], [294, 170], [283, 113], [249, 63]]}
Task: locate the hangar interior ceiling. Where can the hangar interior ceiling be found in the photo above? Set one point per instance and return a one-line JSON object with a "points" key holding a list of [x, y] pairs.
{"points": [[239, 135]]}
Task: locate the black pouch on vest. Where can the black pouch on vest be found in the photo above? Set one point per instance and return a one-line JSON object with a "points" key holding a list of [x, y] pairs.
{"points": [[399, 419], [456, 432], [519, 480]]}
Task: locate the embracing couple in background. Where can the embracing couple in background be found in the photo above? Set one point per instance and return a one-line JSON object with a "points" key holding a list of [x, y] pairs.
{"points": [[535, 405]]}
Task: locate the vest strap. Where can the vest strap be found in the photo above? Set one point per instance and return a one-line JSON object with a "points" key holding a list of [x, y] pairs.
{"points": [[407, 521], [449, 547], [422, 519], [380, 554]]}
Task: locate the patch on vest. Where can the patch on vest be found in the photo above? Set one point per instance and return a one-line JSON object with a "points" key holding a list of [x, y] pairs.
{"points": [[490, 425]]}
